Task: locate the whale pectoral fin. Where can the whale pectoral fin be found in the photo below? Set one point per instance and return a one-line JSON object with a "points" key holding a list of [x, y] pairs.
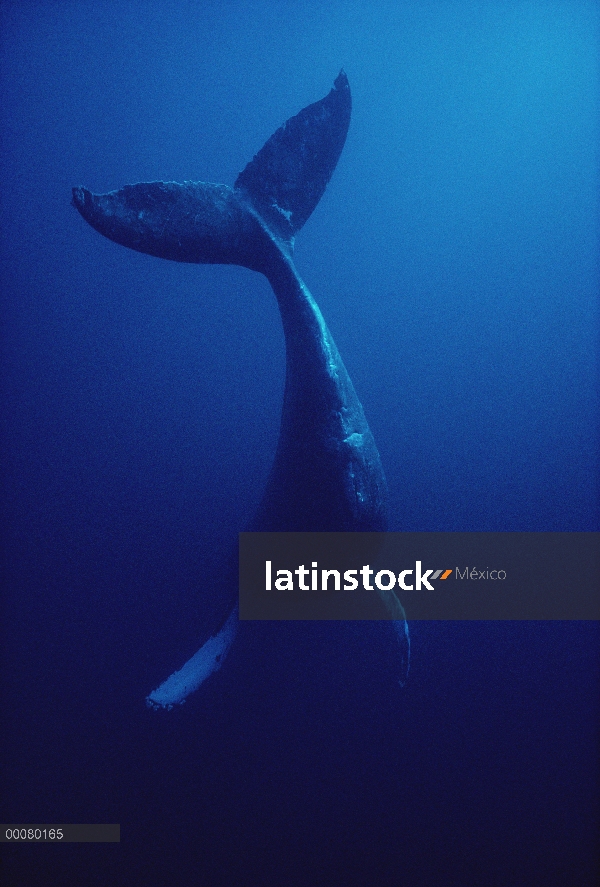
{"points": [[287, 178], [400, 626], [209, 658]]}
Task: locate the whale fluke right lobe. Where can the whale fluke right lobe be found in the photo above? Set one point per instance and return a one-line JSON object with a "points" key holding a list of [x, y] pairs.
{"points": [[288, 176]]}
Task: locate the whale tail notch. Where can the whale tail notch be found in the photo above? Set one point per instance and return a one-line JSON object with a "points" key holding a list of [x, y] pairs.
{"points": [[202, 222]]}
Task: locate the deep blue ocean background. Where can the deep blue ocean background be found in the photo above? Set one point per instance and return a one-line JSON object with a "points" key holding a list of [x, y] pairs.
{"points": [[455, 258]]}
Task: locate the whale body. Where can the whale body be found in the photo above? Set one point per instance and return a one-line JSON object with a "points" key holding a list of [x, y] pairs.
{"points": [[327, 474]]}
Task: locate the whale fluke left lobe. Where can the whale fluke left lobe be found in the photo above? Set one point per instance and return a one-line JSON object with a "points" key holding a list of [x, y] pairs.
{"points": [[196, 222]]}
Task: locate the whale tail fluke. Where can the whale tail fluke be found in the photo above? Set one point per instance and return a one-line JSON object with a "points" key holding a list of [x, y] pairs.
{"points": [[203, 222]]}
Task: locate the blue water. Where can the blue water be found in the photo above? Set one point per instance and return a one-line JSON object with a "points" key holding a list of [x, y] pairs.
{"points": [[455, 258]]}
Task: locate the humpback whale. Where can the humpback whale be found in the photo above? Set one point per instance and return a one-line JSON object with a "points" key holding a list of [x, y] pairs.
{"points": [[327, 474]]}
